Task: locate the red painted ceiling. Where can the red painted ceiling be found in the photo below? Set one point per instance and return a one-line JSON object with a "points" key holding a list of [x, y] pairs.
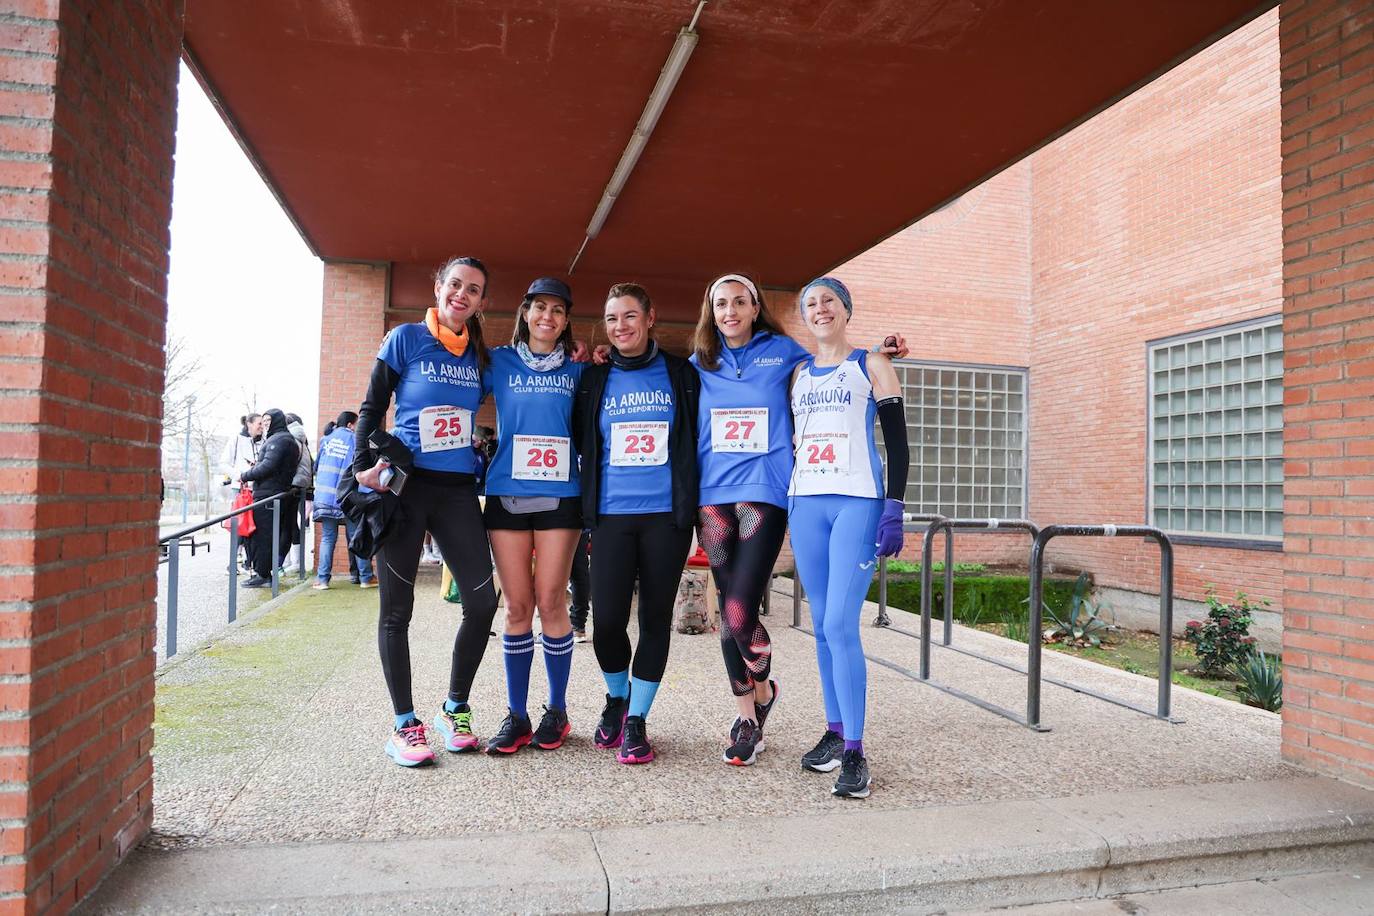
{"points": [[802, 131]]}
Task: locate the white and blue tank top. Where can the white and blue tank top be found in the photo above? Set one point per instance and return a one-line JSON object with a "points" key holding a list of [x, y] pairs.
{"points": [[833, 413]]}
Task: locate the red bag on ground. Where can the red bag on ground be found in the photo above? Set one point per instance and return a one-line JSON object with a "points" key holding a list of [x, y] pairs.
{"points": [[246, 524]]}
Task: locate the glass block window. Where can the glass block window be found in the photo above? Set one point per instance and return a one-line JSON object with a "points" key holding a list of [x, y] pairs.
{"points": [[967, 431], [1216, 433]]}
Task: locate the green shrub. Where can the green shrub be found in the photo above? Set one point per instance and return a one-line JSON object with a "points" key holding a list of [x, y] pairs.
{"points": [[906, 566], [976, 598], [1261, 681], [1223, 641]]}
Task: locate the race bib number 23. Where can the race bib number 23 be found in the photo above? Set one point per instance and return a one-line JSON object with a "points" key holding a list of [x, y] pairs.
{"points": [[639, 444]]}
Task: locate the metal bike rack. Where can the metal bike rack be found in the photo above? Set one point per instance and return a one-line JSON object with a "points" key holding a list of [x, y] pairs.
{"points": [[1166, 615], [935, 523], [910, 522], [1033, 668]]}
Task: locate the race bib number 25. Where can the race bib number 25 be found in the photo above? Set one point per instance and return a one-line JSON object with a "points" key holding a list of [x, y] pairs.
{"points": [[445, 428]]}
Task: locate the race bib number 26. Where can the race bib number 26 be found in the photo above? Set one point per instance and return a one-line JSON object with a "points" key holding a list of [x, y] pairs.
{"points": [[639, 444], [445, 428], [540, 457]]}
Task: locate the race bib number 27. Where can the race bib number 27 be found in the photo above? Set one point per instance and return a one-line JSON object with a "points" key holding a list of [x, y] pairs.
{"points": [[739, 429]]}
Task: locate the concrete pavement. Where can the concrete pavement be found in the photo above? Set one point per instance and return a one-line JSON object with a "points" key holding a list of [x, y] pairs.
{"points": [[268, 756]]}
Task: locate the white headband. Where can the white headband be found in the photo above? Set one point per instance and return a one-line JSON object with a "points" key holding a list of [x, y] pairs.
{"points": [[742, 281]]}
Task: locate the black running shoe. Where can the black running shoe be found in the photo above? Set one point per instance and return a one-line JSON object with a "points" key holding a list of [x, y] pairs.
{"points": [[515, 732], [747, 742], [257, 582], [761, 712], [634, 744], [825, 756], [553, 728], [612, 722], [853, 781]]}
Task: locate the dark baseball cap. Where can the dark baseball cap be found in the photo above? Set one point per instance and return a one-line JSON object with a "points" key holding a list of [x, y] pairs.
{"points": [[550, 286]]}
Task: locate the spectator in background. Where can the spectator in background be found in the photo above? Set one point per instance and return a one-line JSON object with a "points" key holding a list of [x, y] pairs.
{"points": [[483, 446], [240, 452], [276, 466], [336, 457], [580, 587], [302, 487]]}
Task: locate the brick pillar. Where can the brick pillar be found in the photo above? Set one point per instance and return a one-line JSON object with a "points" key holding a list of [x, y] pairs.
{"points": [[89, 105], [352, 324], [1327, 65]]}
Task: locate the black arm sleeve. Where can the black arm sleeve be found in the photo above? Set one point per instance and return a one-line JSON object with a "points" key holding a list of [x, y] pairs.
{"points": [[380, 388], [892, 416]]}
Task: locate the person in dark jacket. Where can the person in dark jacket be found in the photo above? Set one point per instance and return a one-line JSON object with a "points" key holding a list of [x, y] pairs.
{"points": [[278, 458], [635, 425]]}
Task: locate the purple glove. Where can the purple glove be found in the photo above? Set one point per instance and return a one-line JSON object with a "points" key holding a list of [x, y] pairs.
{"points": [[890, 528]]}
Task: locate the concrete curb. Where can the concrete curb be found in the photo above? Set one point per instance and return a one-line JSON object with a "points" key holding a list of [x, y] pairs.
{"points": [[921, 860]]}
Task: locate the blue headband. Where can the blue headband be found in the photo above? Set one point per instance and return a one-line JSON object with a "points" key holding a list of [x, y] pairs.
{"points": [[835, 286]]}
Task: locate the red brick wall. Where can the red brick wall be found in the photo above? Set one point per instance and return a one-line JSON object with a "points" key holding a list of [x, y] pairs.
{"points": [[1328, 216], [1160, 216], [1157, 217], [86, 176], [352, 324]]}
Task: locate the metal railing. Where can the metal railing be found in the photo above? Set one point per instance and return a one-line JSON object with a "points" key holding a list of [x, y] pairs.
{"points": [[1033, 669], [171, 548], [1166, 614]]}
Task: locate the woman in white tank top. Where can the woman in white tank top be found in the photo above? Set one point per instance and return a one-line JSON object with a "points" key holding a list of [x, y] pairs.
{"points": [[839, 518]]}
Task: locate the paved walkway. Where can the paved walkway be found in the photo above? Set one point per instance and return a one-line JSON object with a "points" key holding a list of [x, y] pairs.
{"points": [[274, 735]]}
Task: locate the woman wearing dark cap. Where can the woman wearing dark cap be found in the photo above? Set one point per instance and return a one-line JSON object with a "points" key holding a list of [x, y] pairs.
{"points": [[635, 423], [533, 506]]}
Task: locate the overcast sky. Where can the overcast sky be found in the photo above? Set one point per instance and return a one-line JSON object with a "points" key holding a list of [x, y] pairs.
{"points": [[244, 291]]}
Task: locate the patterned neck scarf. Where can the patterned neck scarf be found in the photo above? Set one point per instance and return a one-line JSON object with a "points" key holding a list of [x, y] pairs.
{"points": [[546, 363], [457, 344]]}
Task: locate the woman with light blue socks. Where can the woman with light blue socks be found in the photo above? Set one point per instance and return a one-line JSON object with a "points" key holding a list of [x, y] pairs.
{"points": [[839, 517]]}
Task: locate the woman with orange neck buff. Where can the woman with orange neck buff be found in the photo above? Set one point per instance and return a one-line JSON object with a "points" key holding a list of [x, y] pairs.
{"points": [[433, 369]]}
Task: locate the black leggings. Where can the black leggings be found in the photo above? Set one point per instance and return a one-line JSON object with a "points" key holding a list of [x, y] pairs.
{"points": [[626, 549], [449, 511], [742, 541], [261, 549], [580, 581]]}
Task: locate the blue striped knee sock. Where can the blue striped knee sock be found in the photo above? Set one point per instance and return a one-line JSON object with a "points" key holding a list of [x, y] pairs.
{"points": [[558, 654], [518, 650]]}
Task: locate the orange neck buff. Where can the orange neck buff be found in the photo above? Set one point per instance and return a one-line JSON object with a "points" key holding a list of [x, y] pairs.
{"points": [[457, 344]]}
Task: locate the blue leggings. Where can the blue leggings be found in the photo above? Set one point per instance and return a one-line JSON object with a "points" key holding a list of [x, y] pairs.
{"points": [[833, 542]]}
